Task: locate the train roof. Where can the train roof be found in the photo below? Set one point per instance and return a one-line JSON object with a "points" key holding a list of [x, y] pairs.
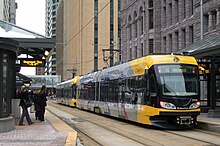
{"points": [[136, 67], [69, 82]]}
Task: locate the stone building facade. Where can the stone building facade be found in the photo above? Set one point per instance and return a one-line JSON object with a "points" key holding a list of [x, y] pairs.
{"points": [[165, 26]]}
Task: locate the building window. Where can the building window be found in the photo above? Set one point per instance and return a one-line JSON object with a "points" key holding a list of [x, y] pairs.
{"points": [[184, 9], [135, 24], [151, 19], [130, 28], [170, 13], [177, 10], [191, 34], [165, 44], [164, 16], [214, 18], [177, 40], [135, 52], [142, 25], [206, 22], [141, 21], [151, 45], [96, 34], [191, 7], [170, 43], [150, 4], [142, 49], [183, 38]]}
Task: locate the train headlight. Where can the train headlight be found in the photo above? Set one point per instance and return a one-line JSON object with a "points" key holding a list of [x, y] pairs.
{"points": [[194, 105], [167, 105]]}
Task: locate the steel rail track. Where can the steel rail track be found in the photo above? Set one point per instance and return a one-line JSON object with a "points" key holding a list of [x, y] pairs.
{"points": [[197, 139], [134, 137]]}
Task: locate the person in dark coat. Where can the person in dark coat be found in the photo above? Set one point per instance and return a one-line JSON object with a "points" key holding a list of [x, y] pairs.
{"points": [[36, 106], [42, 102], [24, 96]]}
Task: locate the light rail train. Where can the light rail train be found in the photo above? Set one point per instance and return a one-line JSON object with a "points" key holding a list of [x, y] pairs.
{"points": [[66, 92], [159, 90]]}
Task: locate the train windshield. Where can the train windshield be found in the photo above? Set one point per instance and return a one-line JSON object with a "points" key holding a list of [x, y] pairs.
{"points": [[178, 80]]}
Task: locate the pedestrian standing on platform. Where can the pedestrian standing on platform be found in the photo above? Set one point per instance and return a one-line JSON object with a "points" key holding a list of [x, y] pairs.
{"points": [[42, 102], [36, 106], [24, 97]]}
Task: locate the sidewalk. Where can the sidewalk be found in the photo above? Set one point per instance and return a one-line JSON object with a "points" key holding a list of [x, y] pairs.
{"points": [[53, 132]]}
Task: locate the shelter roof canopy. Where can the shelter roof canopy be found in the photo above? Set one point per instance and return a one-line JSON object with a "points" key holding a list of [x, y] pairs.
{"points": [[29, 42], [208, 48]]}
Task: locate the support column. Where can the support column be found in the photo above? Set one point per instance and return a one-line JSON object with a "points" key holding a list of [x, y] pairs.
{"points": [[213, 112]]}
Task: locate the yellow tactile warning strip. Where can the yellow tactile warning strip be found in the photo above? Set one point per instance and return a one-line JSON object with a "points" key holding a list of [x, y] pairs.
{"points": [[209, 122], [61, 126]]}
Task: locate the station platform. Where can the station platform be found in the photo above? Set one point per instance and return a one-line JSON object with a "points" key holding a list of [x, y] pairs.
{"points": [[208, 123], [52, 132], [55, 132]]}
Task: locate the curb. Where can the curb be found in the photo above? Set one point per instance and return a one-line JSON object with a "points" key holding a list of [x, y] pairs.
{"points": [[209, 126], [60, 125]]}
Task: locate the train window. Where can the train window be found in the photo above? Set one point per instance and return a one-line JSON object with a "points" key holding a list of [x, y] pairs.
{"points": [[97, 90], [152, 85], [104, 91]]}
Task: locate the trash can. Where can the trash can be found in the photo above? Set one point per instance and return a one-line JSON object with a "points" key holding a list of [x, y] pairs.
{"points": [[16, 110]]}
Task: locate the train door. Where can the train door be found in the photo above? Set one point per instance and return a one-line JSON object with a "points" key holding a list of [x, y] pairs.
{"points": [[132, 97], [151, 93], [97, 97], [122, 113], [104, 90]]}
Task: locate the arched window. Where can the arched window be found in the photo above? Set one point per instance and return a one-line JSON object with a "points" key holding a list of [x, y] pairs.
{"points": [[150, 4], [135, 24], [141, 20], [130, 27]]}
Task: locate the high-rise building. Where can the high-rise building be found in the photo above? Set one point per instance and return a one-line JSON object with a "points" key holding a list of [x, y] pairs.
{"points": [[8, 10], [51, 13], [165, 26], [91, 36], [59, 40]]}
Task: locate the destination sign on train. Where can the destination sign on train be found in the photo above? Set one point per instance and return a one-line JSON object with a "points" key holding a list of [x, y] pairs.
{"points": [[175, 70], [30, 62]]}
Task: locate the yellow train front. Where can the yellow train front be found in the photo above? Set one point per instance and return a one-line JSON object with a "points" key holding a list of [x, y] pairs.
{"points": [[66, 92], [158, 90]]}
